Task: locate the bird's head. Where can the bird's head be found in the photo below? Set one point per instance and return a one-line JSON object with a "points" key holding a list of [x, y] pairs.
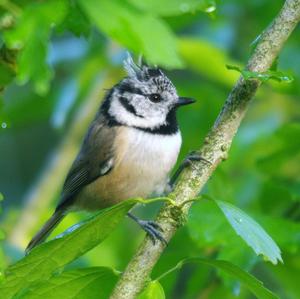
{"points": [[145, 99]]}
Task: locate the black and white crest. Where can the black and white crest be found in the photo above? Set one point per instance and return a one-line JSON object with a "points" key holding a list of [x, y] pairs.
{"points": [[143, 73]]}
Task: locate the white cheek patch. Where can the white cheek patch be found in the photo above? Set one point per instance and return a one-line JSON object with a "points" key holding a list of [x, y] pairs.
{"points": [[124, 116]]}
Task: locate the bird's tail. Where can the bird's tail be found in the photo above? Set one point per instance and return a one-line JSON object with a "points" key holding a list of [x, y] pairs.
{"points": [[45, 231]]}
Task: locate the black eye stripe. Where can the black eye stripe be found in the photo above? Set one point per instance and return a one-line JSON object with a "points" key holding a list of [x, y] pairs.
{"points": [[130, 108]]}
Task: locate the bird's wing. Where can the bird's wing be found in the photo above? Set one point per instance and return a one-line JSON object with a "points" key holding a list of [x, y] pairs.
{"points": [[95, 159]]}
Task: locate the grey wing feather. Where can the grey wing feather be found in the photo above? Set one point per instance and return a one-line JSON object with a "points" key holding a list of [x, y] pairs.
{"points": [[94, 159]]}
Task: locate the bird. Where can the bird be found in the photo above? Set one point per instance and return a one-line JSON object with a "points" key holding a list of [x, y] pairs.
{"points": [[128, 151]]}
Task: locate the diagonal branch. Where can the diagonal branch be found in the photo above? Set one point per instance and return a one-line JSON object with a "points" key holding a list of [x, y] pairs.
{"points": [[215, 149]]}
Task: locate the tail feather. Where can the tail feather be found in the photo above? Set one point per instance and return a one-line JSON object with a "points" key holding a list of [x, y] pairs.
{"points": [[45, 231]]}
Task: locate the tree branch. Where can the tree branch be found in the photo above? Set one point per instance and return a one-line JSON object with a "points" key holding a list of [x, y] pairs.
{"points": [[215, 149]]}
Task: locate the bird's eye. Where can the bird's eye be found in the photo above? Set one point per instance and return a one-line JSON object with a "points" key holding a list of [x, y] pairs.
{"points": [[155, 97]]}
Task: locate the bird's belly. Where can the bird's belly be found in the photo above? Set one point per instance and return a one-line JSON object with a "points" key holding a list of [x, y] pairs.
{"points": [[141, 168]]}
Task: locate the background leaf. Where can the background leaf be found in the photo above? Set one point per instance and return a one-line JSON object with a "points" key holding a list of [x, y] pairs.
{"points": [[2, 236], [281, 161], [152, 37], [91, 283], [210, 63], [251, 232], [174, 7], [154, 290], [32, 61], [43, 260], [248, 280], [6, 74]]}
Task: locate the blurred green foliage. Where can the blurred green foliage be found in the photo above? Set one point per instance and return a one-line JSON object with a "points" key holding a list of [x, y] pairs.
{"points": [[53, 54]]}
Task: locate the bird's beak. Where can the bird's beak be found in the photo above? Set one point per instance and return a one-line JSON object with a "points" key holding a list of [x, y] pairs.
{"points": [[184, 101]]}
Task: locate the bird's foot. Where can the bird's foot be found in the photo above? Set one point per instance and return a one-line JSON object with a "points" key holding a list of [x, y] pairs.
{"points": [[187, 162], [153, 230], [194, 156]]}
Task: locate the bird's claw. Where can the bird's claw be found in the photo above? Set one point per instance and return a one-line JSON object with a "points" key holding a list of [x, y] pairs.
{"points": [[153, 230], [194, 156], [187, 162]]}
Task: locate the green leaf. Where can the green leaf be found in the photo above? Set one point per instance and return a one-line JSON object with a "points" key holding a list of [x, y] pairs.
{"points": [[174, 7], [263, 76], [6, 74], [2, 235], [154, 290], [278, 227], [251, 232], [287, 276], [248, 280], [91, 283], [151, 37], [281, 158], [31, 35], [43, 260], [37, 71], [206, 59], [274, 65], [75, 21], [208, 228]]}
